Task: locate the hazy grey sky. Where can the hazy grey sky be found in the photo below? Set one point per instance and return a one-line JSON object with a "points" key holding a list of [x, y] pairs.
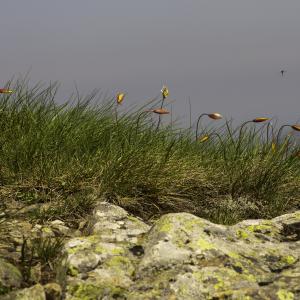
{"points": [[224, 54]]}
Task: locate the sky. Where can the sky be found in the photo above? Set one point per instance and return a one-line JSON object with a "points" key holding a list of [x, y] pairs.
{"points": [[226, 56]]}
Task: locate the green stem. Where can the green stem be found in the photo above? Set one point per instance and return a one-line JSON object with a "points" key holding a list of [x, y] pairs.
{"points": [[159, 117], [198, 121], [239, 139], [279, 132]]}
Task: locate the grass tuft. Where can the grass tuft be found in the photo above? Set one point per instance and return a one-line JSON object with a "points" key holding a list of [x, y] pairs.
{"points": [[63, 157]]}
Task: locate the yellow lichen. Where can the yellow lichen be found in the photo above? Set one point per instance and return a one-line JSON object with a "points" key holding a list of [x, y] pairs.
{"points": [[88, 291], [47, 230], [285, 295], [133, 219], [250, 277], [260, 228], [204, 244], [73, 271], [100, 250], [219, 285], [165, 226], [289, 259], [242, 234], [117, 251], [190, 224], [233, 255], [120, 263]]}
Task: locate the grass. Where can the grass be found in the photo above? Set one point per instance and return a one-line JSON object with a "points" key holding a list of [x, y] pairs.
{"points": [[41, 253], [61, 158]]}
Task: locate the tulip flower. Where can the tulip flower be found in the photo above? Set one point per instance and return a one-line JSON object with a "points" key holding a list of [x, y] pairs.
{"points": [[213, 116], [203, 139], [160, 111], [296, 127], [259, 120], [256, 120], [164, 92], [120, 97]]}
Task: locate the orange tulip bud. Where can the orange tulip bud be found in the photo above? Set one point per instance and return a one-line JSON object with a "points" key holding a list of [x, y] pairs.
{"points": [[296, 127], [204, 138], [262, 119], [160, 111], [215, 116], [5, 91]]}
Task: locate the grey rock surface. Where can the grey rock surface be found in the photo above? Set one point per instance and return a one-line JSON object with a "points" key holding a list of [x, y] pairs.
{"points": [[182, 257], [35, 292]]}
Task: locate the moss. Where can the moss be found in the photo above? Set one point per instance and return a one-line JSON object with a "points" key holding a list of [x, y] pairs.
{"points": [[285, 295]]}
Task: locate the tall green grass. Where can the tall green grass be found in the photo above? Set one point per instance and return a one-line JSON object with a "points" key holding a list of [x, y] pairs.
{"points": [[66, 156]]}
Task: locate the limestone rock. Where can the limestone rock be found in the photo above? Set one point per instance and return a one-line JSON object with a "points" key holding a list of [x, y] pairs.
{"points": [[10, 277], [53, 291], [183, 257], [35, 292]]}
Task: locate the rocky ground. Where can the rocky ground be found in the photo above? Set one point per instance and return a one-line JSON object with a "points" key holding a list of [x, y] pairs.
{"points": [[115, 255]]}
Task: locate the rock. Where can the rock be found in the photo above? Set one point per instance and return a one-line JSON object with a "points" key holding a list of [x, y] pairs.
{"points": [[35, 292], [10, 277], [183, 257], [60, 229], [56, 228], [180, 256], [36, 273], [53, 291], [114, 224]]}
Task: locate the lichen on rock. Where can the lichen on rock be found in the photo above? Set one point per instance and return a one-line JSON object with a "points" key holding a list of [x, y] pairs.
{"points": [[184, 257]]}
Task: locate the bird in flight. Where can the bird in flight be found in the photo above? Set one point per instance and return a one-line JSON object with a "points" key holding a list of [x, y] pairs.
{"points": [[282, 72]]}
